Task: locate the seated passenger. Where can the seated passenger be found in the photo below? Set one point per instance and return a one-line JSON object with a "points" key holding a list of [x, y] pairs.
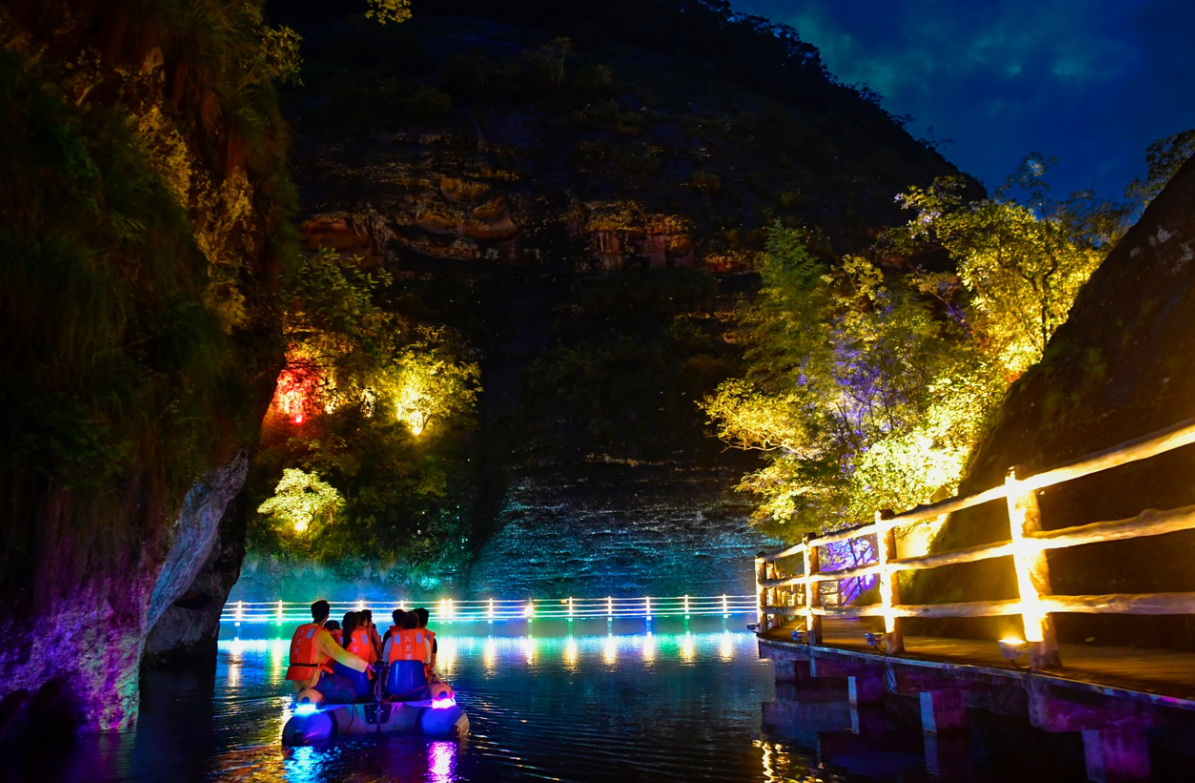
{"points": [[397, 616], [356, 641], [312, 653], [410, 652], [424, 616], [333, 628], [376, 640]]}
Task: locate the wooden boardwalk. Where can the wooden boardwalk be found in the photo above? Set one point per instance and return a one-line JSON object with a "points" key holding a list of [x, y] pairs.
{"points": [[1156, 675]]}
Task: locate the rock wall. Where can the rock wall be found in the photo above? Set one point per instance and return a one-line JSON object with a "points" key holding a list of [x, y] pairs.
{"points": [[626, 530], [186, 623], [1118, 369], [78, 661]]}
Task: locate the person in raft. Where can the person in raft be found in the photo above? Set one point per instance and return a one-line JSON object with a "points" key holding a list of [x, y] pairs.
{"points": [[312, 651], [408, 653], [357, 641], [424, 616], [367, 615]]}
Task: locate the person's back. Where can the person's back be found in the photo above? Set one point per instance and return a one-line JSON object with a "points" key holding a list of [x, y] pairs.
{"points": [[374, 638], [424, 616], [356, 642], [313, 653], [387, 639], [409, 653]]}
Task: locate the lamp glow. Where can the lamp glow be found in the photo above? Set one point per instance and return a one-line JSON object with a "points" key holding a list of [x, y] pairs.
{"points": [[490, 611], [686, 607], [647, 607], [725, 610], [609, 607], [306, 708]]}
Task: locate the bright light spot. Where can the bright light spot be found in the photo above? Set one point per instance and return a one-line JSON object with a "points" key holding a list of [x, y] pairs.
{"points": [[686, 607], [360, 605], [529, 645], [610, 649], [490, 611], [647, 607], [570, 608], [687, 649], [529, 610], [609, 606], [441, 759], [649, 648], [1012, 641], [299, 419], [306, 709], [489, 655], [443, 703], [726, 647], [725, 609], [570, 652]]}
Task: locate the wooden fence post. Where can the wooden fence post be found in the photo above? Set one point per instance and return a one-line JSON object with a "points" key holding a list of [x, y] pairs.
{"points": [[1033, 571], [761, 619], [889, 587], [813, 593]]}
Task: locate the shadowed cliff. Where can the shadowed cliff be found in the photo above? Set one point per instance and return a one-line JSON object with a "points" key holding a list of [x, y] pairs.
{"points": [[1118, 369]]}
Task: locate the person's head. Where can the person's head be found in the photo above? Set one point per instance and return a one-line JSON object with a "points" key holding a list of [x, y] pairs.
{"points": [[366, 617], [397, 615], [423, 616], [331, 625], [320, 610], [410, 621], [349, 623]]}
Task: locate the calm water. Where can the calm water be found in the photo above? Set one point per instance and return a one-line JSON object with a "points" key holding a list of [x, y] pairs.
{"points": [[673, 705]]}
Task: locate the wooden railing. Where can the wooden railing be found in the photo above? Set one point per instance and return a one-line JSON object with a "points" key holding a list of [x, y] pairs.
{"points": [[779, 594]]}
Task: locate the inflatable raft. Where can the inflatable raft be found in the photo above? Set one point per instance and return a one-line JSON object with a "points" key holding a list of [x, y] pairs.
{"points": [[423, 708], [431, 717]]}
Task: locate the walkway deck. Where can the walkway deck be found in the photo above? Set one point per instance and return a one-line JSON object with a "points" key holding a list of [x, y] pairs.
{"points": [[1160, 676]]}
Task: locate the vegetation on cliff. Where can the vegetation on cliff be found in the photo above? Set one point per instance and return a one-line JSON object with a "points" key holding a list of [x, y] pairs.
{"points": [[869, 383], [145, 224]]}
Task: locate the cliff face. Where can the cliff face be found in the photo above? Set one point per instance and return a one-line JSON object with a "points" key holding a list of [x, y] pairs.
{"points": [[142, 220], [586, 210], [1118, 369]]}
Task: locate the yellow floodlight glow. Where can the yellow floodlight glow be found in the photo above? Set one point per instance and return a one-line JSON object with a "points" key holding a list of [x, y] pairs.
{"points": [[687, 649], [529, 610], [610, 649], [649, 648], [570, 652]]}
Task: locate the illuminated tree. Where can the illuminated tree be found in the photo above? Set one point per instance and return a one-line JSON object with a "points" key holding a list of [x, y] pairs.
{"points": [[862, 396], [301, 501], [389, 10], [1023, 268]]}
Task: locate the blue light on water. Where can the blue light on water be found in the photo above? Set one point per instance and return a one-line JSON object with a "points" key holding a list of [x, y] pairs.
{"points": [[306, 709]]}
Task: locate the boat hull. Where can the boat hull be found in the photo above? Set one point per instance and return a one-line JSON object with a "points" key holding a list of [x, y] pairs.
{"points": [[327, 723]]}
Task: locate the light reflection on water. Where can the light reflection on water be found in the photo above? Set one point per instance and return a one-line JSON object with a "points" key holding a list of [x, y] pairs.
{"points": [[677, 704]]}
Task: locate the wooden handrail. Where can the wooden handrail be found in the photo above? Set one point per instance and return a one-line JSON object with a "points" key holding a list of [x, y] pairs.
{"points": [[1027, 547]]}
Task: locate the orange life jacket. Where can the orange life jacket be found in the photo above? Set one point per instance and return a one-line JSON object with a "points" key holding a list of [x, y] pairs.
{"points": [[362, 646], [305, 657], [409, 644]]}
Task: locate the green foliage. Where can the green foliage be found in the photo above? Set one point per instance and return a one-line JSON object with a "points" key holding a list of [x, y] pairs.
{"points": [[301, 501], [124, 209], [383, 443], [861, 395], [1023, 268], [384, 11]]}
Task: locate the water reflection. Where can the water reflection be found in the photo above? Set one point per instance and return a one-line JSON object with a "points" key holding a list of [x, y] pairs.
{"points": [[667, 704]]}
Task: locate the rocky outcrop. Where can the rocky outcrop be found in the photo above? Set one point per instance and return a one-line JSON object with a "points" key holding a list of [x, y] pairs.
{"points": [[77, 663], [184, 618], [1118, 369]]}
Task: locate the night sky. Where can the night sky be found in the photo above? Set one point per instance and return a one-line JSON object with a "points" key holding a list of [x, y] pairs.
{"points": [[1090, 82]]}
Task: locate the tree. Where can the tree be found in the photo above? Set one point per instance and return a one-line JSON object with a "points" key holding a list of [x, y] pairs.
{"points": [[862, 395], [1024, 268], [1163, 159]]}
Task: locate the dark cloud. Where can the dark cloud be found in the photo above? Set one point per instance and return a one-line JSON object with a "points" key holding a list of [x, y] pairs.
{"points": [[1091, 82]]}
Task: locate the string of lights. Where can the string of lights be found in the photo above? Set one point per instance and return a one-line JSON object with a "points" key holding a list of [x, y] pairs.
{"points": [[498, 610]]}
